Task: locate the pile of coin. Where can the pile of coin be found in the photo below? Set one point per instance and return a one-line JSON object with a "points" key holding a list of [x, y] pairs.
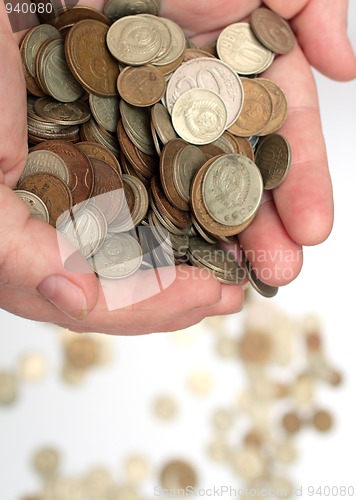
{"points": [[132, 126]]}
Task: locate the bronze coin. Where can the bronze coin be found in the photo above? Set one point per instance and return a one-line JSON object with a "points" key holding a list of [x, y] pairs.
{"points": [[89, 59], [190, 54], [108, 190], [54, 193], [245, 147], [210, 151], [280, 106], [273, 158], [96, 150], [177, 217], [141, 86], [322, 421], [68, 17], [256, 110], [81, 173], [169, 152], [178, 475], [272, 31], [291, 422]]}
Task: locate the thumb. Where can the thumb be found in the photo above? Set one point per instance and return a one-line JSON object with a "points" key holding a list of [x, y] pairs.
{"points": [[321, 29], [32, 258]]}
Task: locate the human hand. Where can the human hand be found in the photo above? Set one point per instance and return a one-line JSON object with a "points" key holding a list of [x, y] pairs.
{"points": [[26, 260]]}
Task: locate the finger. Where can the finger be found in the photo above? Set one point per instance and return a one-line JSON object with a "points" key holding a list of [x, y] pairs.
{"points": [[32, 256], [231, 302], [321, 29], [286, 9], [304, 200], [275, 257]]}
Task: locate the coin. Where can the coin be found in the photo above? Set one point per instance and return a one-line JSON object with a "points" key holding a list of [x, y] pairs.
{"points": [[32, 367], [134, 40], [53, 192], [165, 407], [119, 257], [8, 388], [178, 475], [71, 113], [162, 123], [141, 86], [38, 209], [80, 169], [82, 353], [108, 191], [256, 111], [186, 163], [273, 158], [239, 48], [67, 17], [89, 59], [46, 462], [223, 419], [56, 77], [199, 116], [260, 287], [95, 150], [255, 347], [31, 43], [322, 421], [291, 422], [279, 104], [106, 111], [272, 30], [179, 218], [232, 189], [175, 49], [137, 468], [116, 9], [248, 462], [137, 125], [210, 74]]}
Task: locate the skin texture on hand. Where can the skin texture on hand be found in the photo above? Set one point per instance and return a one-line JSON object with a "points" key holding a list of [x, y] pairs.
{"points": [[33, 282]]}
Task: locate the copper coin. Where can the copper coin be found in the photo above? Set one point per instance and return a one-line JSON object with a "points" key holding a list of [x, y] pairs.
{"points": [[96, 150], [141, 86], [245, 147], [256, 110], [280, 106], [291, 422], [169, 152], [177, 217], [108, 189], [178, 475], [272, 31], [131, 152], [89, 59], [54, 193], [68, 17], [81, 173], [322, 421], [273, 158]]}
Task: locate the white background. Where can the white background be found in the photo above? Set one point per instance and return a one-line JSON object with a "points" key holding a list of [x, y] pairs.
{"points": [[109, 417]]}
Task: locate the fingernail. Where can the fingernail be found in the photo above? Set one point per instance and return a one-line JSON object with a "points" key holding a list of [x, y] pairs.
{"points": [[64, 295]]}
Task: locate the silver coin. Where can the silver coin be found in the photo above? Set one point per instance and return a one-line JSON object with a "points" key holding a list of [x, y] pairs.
{"points": [[260, 287], [62, 113], [119, 257], [211, 74], [38, 209], [115, 9], [199, 116], [232, 189], [176, 47], [87, 230], [106, 111], [239, 48], [45, 161], [187, 161]]}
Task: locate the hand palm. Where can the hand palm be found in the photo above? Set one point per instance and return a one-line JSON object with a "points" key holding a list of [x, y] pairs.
{"points": [[300, 211]]}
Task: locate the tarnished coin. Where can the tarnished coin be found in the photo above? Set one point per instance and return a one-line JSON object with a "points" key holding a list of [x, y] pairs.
{"points": [[54, 193], [273, 158], [119, 257], [55, 75], [38, 209], [62, 113], [45, 161], [279, 104], [272, 30], [210, 74], [178, 475], [263, 289], [116, 9], [134, 40], [199, 116], [106, 111], [33, 40], [240, 49], [81, 174], [89, 59], [256, 111], [86, 230], [232, 189], [141, 86]]}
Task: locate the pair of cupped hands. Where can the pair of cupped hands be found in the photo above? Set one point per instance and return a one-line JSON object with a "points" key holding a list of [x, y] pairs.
{"points": [[35, 284]]}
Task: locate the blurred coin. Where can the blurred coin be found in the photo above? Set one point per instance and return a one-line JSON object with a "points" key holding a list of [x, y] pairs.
{"points": [[272, 30], [165, 407], [82, 353], [273, 158], [8, 388], [123, 492], [200, 382], [255, 347], [137, 468], [46, 462], [219, 450], [178, 474], [38, 209], [291, 422], [199, 116], [223, 419], [322, 420], [32, 367], [248, 463], [239, 48], [141, 86]]}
